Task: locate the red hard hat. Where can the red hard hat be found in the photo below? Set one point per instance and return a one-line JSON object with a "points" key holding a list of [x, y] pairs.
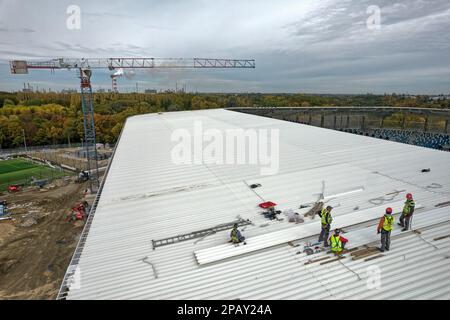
{"points": [[408, 196], [389, 210]]}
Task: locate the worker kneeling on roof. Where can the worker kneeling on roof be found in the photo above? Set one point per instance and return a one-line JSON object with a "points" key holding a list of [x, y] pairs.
{"points": [[325, 215], [236, 236], [337, 242]]}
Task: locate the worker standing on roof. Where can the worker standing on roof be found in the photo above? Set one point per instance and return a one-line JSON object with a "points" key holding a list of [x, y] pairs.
{"points": [[325, 214], [236, 236], [385, 227], [337, 242], [407, 212]]}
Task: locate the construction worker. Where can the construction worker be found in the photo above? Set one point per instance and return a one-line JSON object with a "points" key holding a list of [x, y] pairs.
{"points": [[385, 227], [337, 242], [325, 215], [86, 208], [236, 236], [407, 212]]}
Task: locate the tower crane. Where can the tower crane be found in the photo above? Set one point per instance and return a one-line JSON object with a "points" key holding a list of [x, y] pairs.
{"points": [[85, 67]]}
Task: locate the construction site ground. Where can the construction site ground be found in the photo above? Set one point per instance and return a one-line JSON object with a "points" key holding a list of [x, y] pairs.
{"points": [[37, 244]]}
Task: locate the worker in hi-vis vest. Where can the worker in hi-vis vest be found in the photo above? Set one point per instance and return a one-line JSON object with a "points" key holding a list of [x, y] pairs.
{"points": [[408, 210], [325, 215], [385, 227], [337, 242], [235, 235]]}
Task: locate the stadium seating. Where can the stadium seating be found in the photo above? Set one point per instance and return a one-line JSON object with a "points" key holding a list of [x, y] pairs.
{"points": [[424, 139]]}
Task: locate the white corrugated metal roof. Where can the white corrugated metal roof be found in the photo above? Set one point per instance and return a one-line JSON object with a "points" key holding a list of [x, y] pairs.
{"points": [[146, 197]]}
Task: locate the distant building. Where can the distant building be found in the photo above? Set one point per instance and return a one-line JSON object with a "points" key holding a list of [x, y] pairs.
{"points": [[409, 96], [440, 97], [69, 91], [150, 91], [27, 88]]}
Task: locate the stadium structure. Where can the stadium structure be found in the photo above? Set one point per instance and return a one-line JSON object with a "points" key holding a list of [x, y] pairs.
{"points": [[160, 230]]}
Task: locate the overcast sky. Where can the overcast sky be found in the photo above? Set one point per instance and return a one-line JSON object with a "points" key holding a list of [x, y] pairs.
{"points": [[315, 46]]}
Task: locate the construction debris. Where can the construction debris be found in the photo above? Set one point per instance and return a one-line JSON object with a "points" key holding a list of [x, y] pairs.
{"points": [[374, 257], [311, 248], [292, 244], [3, 208], [443, 204], [28, 222], [364, 253], [294, 216], [350, 250], [79, 212], [332, 260], [314, 210], [270, 212], [316, 260], [442, 237]]}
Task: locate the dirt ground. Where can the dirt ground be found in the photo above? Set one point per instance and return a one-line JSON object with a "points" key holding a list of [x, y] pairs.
{"points": [[36, 247]]}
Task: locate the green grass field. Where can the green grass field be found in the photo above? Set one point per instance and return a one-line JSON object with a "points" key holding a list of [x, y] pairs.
{"points": [[18, 171]]}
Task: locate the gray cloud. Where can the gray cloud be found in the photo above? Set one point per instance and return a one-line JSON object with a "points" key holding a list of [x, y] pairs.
{"points": [[309, 45]]}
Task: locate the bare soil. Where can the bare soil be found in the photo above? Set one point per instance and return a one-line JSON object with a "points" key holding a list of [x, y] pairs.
{"points": [[36, 247]]}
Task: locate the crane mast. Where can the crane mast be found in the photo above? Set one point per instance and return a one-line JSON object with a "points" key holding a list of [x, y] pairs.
{"points": [[85, 66], [90, 141]]}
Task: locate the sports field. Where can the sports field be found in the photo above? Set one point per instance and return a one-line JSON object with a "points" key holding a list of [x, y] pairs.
{"points": [[18, 171]]}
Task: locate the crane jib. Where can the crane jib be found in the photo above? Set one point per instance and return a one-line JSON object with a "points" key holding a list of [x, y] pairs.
{"points": [[22, 66]]}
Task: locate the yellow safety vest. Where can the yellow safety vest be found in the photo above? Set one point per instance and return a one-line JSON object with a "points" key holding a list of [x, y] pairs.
{"points": [[336, 243], [234, 235], [326, 217], [408, 205], [388, 222]]}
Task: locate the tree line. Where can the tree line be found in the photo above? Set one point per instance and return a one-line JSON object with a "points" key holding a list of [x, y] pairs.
{"points": [[56, 118]]}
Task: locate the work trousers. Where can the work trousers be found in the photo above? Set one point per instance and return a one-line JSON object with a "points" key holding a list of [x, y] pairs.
{"points": [[324, 234], [405, 219], [385, 240]]}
